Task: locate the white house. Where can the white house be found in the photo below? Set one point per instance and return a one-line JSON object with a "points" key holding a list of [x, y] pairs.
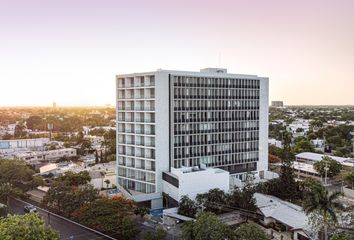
{"points": [[289, 220], [277, 143]]}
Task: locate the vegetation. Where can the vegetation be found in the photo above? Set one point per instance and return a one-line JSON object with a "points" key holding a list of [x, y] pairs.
{"points": [[113, 216], [7, 191], [333, 166], [323, 206], [349, 178], [69, 192], [72, 196], [16, 178], [187, 207], [26, 227], [343, 236], [303, 144], [249, 232], [18, 174], [159, 234], [206, 227]]}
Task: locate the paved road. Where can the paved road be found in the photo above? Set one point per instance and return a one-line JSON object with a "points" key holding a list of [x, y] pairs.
{"points": [[65, 228]]}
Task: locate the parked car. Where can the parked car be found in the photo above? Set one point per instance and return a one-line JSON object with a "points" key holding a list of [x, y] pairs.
{"points": [[30, 209]]}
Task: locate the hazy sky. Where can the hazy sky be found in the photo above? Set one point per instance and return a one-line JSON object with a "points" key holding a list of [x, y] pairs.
{"points": [[69, 51]]}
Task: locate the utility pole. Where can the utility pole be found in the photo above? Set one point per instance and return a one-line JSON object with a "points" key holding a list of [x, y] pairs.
{"points": [[326, 169]]}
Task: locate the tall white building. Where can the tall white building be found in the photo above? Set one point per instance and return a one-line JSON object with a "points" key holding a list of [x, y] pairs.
{"points": [[192, 121]]}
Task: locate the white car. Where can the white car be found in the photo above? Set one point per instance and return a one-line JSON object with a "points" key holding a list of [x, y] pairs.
{"points": [[30, 209]]}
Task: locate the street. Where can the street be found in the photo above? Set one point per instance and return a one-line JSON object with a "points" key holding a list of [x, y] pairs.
{"points": [[65, 228]]}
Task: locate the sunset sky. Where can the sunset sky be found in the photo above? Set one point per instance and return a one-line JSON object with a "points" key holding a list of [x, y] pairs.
{"points": [[69, 51]]}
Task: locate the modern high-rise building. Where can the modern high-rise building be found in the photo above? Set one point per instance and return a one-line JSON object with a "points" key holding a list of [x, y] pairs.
{"points": [[186, 132]]}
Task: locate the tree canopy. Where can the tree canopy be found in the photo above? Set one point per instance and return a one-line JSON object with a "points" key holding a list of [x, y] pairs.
{"points": [[187, 207], [206, 227], [26, 227], [249, 231], [69, 192], [334, 167], [112, 216]]}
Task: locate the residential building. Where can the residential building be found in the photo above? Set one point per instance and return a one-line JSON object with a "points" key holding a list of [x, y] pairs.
{"points": [[311, 158], [35, 157], [7, 146], [175, 119], [277, 143], [283, 220], [299, 128]]}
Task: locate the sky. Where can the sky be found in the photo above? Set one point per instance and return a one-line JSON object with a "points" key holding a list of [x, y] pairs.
{"points": [[69, 51]]}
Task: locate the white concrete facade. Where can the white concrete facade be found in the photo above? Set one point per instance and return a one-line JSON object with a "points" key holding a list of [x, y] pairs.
{"points": [[192, 182], [175, 119]]}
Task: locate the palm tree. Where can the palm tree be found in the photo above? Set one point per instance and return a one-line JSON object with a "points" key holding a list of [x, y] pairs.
{"points": [[319, 200]]}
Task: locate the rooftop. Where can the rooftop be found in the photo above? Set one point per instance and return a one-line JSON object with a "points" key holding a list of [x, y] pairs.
{"points": [[289, 214], [318, 157]]}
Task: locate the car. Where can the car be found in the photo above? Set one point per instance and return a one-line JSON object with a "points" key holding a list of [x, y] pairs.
{"points": [[30, 209]]}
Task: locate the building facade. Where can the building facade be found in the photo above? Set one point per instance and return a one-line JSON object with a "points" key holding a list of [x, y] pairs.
{"points": [[174, 119]]}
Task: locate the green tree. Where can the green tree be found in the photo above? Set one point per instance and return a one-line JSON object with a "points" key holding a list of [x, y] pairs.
{"points": [[206, 227], [7, 191], [243, 198], [75, 179], [303, 145], [109, 215], [212, 201], [109, 142], [343, 236], [323, 206], [26, 227], [19, 174], [159, 234], [70, 192], [35, 122], [249, 231], [187, 207], [141, 211], [334, 167], [20, 131]]}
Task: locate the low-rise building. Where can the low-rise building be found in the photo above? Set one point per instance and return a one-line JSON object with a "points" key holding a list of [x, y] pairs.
{"points": [[318, 144], [298, 128], [303, 170], [179, 182], [33, 157], [311, 158], [8, 146], [287, 220], [277, 143]]}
